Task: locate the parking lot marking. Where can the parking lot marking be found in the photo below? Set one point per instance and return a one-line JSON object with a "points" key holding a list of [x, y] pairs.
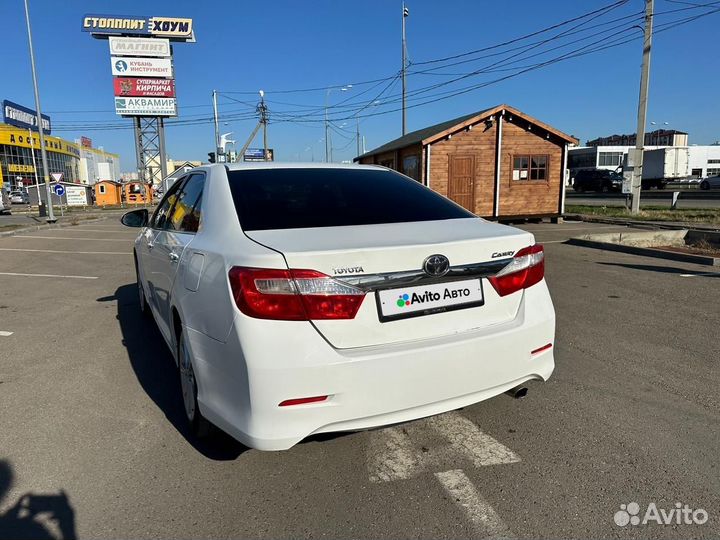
{"points": [[69, 252], [467, 439], [3, 333], [46, 275], [392, 455], [479, 512], [74, 238], [701, 274]]}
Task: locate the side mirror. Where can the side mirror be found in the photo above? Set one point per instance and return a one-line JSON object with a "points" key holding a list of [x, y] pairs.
{"points": [[136, 218]]}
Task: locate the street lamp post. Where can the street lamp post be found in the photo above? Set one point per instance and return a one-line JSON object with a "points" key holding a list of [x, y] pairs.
{"points": [[37, 180], [328, 142], [43, 152]]}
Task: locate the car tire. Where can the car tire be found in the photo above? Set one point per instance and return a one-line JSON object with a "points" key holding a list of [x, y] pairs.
{"points": [[142, 299], [578, 188], [199, 425], [705, 185]]}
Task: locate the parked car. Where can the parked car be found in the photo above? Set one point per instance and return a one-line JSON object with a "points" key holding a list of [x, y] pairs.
{"points": [[711, 182], [19, 197], [302, 299], [600, 180]]}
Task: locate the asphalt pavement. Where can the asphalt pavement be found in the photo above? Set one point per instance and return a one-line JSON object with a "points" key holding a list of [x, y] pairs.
{"points": [[93, 442]]}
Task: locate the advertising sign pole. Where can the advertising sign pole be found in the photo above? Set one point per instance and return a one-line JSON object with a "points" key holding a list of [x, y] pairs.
{"points": [[51, 216]]}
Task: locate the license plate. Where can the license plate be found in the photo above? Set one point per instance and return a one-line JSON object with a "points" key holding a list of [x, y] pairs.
{"points": [[426, 299]]}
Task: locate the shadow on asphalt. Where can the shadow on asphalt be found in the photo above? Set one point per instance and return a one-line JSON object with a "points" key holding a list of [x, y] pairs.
{"points": [[20, 520], [658, 268], [156, 372]]}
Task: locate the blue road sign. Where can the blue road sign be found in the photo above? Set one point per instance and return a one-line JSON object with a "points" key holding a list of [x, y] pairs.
{"points": [[59, 190]]}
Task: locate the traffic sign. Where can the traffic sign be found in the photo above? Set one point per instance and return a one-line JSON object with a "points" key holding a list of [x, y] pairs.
{"points": [[59, 190], [57, 176]]}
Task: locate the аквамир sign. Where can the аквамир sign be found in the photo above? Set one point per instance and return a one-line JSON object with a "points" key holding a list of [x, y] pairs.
{"points": [[143, 106]]}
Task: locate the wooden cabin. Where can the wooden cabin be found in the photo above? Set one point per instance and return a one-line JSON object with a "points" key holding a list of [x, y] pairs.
{"points": [[137, 193], [499, 163], [108, 193]]}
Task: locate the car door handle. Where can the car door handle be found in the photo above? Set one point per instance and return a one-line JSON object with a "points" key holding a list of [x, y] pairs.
{"points": [[174, 257]]}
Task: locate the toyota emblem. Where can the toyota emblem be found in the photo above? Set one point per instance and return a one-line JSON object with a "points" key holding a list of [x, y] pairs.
{"points": [[436, 265]]}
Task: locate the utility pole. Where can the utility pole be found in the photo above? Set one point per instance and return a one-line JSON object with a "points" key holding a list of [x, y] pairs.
{"points": [[405, 13], [43, 152], [357, 134], [264, 121], [642, 108], [219, 151]]}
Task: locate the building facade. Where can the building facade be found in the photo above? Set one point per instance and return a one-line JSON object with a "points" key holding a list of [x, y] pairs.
{"points": [[21, 161], [659, 137], [499, 163]]}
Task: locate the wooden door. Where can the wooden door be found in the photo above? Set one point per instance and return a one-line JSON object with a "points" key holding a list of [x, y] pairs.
{"points": [[461, 180]]}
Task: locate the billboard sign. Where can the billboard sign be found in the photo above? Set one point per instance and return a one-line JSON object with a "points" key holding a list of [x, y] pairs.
{"points": [[257, 154], [143, 106], [75, 196], [138, 46], [85, 142], [135, 87], [22, 117], [175, 28], [125, 66]]}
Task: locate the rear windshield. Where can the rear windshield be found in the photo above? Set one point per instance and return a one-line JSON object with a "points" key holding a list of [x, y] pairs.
{"points": [[268, 199]]}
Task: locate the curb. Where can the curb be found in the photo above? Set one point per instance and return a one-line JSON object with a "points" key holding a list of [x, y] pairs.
{"points": [[642, 224], [647, 252], [51, 226]]}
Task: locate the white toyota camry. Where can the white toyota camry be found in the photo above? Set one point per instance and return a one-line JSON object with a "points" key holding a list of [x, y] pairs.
{"points": [[302, 299]]}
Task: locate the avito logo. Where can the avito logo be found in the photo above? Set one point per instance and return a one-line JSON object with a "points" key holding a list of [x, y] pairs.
{"points": [[406, 299]]}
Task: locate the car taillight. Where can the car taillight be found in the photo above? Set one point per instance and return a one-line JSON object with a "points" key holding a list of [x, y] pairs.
{"points": [[526, 269], [292, 295]]}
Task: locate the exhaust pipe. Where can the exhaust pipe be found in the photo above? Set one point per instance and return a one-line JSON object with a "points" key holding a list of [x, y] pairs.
{"points": [[518, 392]]}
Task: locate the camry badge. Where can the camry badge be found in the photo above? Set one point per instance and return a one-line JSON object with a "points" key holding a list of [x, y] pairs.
{"points": [[436, 265]]}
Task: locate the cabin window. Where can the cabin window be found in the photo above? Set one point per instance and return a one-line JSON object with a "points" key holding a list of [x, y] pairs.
{"points": [[102, 189], [411, 167], [530, 168]]}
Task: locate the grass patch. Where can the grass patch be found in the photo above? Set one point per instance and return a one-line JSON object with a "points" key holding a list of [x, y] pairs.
{"points": [[651, 213]]}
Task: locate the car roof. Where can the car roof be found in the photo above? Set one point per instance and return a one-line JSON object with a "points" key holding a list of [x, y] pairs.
{"points": [[291, 165]]}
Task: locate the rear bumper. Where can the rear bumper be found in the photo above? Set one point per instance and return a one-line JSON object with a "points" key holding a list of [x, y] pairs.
{"points": [[241, 382]]}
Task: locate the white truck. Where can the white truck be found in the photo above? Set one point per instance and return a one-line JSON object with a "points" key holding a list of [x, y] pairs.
{"points": [[665, 164]]}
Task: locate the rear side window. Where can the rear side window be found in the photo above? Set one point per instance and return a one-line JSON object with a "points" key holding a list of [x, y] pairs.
{"points": [[185, 215], [267, 199]]}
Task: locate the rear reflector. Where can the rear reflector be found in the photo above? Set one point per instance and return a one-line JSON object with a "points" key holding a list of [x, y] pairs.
{"points": [[525, 270], [292, 295], [300, 401], [541, 349]]}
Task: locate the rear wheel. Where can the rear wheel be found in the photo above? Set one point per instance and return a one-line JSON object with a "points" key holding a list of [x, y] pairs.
{"points": [[198, 424], [705, 184]]}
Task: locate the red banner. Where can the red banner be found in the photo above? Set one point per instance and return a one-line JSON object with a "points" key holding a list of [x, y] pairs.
{"points": [[136, 87]]}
